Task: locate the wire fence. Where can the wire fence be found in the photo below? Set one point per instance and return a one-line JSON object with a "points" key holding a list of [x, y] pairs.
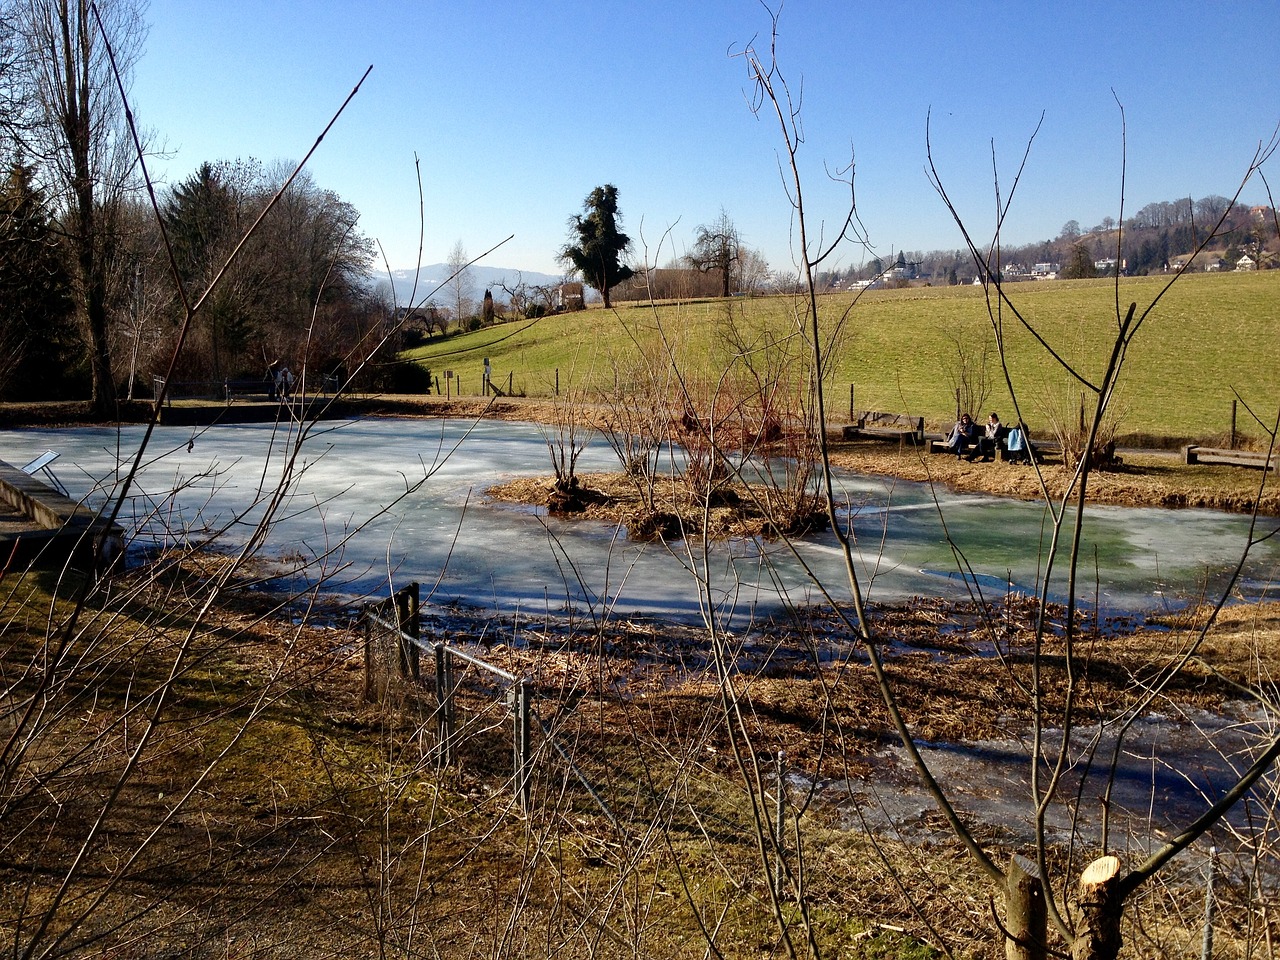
{"points": [[393, 649]]}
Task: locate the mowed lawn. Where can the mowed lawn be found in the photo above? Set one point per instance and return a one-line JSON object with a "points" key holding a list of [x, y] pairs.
{"points": [[1209, 335]]}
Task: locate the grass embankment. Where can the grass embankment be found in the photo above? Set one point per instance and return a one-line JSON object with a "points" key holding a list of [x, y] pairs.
{"points": [[1209, 335]]}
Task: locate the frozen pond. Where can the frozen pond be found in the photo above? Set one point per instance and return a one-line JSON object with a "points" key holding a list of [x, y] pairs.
{"points": [[377, 503]]}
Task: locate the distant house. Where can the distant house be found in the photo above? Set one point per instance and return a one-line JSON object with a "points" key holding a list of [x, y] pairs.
{"points": [[568, 297], [903, 269], [1215, 264], [1046, 271], [1106, 266], [1246, 263]]}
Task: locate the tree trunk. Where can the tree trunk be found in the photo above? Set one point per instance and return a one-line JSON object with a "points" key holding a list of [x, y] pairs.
{"points": [[1024, 912], [1101, 909]]}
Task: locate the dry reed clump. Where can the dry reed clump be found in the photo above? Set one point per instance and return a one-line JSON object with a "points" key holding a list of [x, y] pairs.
{"points": [[731, 510]]}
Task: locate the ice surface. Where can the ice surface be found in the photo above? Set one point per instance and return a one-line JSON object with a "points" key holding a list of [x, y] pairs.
{"points": [[376, 503]]}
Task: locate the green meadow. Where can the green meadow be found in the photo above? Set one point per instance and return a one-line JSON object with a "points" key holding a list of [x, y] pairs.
{"points": [[1208, 338]]}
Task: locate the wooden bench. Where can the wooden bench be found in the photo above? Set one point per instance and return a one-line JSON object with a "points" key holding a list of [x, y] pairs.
{"points": [[1035, 451], [247, 388], [877, 425], [1193, 454]]}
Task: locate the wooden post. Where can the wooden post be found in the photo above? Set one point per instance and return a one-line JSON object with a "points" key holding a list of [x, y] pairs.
{"points": [[851, 403], [557, 381], [780, 820], [1025, 918], [406, 603], [369, 692], [1233, 423], [1100, 909], [1210, 903]]}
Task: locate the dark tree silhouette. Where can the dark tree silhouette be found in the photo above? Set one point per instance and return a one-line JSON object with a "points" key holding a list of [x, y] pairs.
{"points": [[36, 336], [1080, 264], [599, 242], [717, 249]]}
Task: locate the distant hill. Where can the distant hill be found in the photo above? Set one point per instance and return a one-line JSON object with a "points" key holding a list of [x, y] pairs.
{"points": [[434, 275]]}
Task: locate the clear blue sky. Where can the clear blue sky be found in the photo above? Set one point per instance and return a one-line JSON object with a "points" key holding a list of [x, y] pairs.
{"points": [[518, 109]]}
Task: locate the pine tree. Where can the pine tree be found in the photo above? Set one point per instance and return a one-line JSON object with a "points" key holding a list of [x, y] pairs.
{"points": [[600, 244], [35, 294]]}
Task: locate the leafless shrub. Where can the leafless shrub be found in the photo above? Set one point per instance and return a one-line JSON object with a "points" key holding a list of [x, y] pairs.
{"points": [[1066, 416], [971, 373]]}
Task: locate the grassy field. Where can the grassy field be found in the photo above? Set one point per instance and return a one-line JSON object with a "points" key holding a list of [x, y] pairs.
{"points": [[1210, 334]]}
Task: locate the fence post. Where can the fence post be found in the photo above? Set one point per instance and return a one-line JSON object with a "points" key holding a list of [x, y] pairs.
{"points": [[406, 600], [780, 814], [1233, 423], [851, 403], [444, 702], [368, 655], [520, 710], [1206, 945]]}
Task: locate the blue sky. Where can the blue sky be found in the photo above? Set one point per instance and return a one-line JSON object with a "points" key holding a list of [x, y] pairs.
{"points": [[517, 110]]}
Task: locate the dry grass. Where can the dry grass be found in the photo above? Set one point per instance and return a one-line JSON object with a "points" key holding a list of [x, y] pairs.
{"points": [[1143, 479], [326, 812]]}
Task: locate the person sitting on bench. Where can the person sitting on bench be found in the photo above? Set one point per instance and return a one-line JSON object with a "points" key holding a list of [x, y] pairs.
{"points": [[1015, 445], [993, 438], [964, 436]]}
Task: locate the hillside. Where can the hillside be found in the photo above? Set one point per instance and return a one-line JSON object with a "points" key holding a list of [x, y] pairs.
{"points": [[1208, 339]]}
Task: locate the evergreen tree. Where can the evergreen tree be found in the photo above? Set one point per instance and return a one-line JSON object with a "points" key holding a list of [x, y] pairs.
{"points": [[600, 244], [36, 305], [202, 217], [1079, 265]]}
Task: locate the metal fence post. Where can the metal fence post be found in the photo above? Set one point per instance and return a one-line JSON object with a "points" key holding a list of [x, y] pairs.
{"points": [[444, 702], [520, 710], [367, 624]]}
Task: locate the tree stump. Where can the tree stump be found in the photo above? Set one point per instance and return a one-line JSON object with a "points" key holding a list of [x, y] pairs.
{"points": [[1025, 916], [1101, 909]]}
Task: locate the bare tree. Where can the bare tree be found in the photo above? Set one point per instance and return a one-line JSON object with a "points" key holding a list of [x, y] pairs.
{"points": [[753, 271], [73, 128], [717, 249], [459, 284]]}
